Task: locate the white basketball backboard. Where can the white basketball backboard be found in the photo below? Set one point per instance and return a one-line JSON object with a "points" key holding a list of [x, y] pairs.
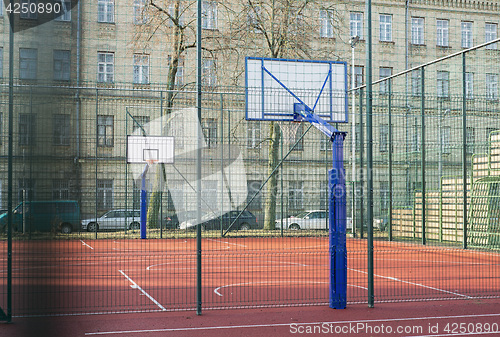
{"points": [[274, 85], [143, 149]]}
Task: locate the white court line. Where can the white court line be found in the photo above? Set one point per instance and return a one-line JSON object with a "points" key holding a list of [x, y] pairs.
{"points": [[288, 324], [458, 334], [136, 286], [228, 243], [415, 284], [83, 242]]}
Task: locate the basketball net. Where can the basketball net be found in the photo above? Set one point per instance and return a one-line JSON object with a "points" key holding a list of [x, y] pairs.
{"points": [[288, 131]]}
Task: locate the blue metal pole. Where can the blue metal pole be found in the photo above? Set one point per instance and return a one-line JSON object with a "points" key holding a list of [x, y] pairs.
{"points": [[337, 214], [144, 203]]}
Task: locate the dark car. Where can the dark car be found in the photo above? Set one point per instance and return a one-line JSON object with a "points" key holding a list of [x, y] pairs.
{"points": [[245, 221]]}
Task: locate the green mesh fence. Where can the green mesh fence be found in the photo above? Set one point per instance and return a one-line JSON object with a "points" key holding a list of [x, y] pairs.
{"points": [[105, 70]]}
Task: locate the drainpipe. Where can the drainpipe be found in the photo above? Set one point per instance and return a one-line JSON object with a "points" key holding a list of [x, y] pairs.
{"points": [[77, 96]]}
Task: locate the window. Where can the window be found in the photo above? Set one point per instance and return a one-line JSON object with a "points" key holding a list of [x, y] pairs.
{"points": [[491, 86], [140, 16], [358, 76], [209, 76], [443, 84], [179, 16], [324, 143], [253, 192], [383, 73], [385, 27], [415, 138], [26, 129], [62, 65], [488, 133], [210, 132], [105, 130], [466, 27], [326, 26], [106, 11], [253, 135], [26, 189], [179, 75], [295, 195], [61, 129], [65, 13], [384, 138], [384, 196], [490, 33], [295, 138], [209, 15], [470, 138], [297, 25], [141, 69], [28, 59], [29, 14], [469, 85], [60, 189], [323, 195], [140, 122], [105, 67], [356, 24], [104, 194], [416, 82], [442, 33], [255, 18], [417, 31], [445, 133]]}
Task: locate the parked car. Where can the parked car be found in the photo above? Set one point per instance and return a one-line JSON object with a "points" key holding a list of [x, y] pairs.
{"points": [[118, 219], [44, 216], [314, 219], [246, 221]]}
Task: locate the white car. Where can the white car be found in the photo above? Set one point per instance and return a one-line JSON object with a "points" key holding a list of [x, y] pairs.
{"points": [[119, 219], [317, 219]]}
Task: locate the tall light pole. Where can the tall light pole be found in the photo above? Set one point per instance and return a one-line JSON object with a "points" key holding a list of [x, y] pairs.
{"points": [[353, 41]]}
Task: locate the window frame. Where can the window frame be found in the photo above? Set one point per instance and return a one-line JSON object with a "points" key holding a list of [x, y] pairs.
{"points": [[356, 24], [417, 31], [443, 33], [105, 76], [385, 28], [467, 37], [64, 63], [105, 11]]}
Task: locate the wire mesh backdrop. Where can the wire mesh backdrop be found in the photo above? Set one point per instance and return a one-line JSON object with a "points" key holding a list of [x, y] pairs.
{"points": [[76, 245]]}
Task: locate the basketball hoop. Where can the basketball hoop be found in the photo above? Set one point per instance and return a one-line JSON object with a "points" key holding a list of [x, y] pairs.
{"points": [[288, 131], [150, 162]]}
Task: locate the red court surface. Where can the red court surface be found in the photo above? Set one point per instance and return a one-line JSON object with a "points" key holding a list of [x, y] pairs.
{"points": [[438, 318]]}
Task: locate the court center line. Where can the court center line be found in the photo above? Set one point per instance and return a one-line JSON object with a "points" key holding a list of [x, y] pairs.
{"points": [[228, 243], [136, 286], [85, 244], [415, 284], [287, 324]]}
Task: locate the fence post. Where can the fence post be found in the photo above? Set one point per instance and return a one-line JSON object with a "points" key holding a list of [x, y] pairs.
{"points": [[361, 159], [389, 218], [422, 109], [464, 151]]}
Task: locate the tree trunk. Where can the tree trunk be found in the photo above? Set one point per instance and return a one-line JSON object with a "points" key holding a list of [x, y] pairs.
{"points": [[272, 184]]}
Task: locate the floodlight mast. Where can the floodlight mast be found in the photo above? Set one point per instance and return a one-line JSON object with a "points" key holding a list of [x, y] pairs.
{"points": [[337, 205]]}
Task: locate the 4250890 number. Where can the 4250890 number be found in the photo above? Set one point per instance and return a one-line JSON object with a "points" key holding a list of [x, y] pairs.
{"points": [[470, 328], [33, 8]]}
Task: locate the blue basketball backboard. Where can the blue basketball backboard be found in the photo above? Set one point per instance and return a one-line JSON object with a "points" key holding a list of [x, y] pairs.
{"points": [[273, 86]]}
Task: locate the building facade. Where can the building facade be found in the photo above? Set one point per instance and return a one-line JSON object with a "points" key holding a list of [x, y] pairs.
{"points": [[100, 70]]}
